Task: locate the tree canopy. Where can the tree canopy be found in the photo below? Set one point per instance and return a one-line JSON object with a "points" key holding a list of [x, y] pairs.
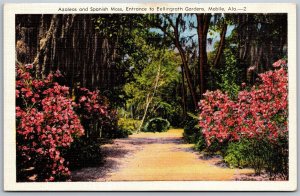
{"points": [[121, 55]]}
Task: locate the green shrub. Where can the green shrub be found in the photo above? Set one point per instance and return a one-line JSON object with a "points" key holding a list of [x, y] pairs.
{"points": [[247, 152], [236, 156], [200, 144], [192, 132], [261, 155], [157, 125], [128, 124], [269, 156], [83, 152], [215, 148], [278, 158]]}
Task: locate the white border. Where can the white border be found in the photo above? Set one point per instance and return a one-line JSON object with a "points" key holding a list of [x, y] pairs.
{"points": [[9, 107]]}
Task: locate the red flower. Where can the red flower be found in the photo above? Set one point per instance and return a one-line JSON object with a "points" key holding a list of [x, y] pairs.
{"points": [[279, 63], [44, 113], [253, 112]]}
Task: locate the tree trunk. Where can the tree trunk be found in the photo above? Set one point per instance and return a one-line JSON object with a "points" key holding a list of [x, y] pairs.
{"points": [[176, 40], [150, 97], [185, 63], [43, 47], [221, 46], [69, 43], [203, 21]]}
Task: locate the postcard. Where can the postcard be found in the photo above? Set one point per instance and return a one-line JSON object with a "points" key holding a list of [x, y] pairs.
{"points": [[150, 97]]}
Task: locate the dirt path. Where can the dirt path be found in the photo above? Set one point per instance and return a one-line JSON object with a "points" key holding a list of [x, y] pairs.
{"points": [[155, 156]]}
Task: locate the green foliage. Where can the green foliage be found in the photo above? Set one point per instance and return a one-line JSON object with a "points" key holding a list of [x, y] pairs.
{"points": [[215, 148], [273, 157], [200, 144], [278, 158], [235, 155], [192, 132], [171, 111], [157, 125], [227, 77], [128, 38], [83, 152], [131, 125], [262, 155], [164, 102]]}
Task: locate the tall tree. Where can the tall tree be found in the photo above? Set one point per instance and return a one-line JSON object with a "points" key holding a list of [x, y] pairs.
{"points": [[203, 22], [221, 45], [151, 94], [171, 26]]}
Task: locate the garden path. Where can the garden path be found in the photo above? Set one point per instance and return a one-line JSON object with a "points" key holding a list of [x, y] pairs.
{"points": [[156, 156]]}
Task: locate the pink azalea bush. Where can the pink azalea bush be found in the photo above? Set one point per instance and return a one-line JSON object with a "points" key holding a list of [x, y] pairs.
{"points": [[96, 118], [217, 117], [258, 116], [96, 115], [262, 111], [257, 113], [45, 123]]}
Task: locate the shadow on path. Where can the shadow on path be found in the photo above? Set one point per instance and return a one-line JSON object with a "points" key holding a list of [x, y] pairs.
{"points": [[115, 152], [155, 156]]}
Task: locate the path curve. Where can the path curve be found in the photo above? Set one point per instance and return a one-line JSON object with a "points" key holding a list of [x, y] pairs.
{"points": [[155, 156]]}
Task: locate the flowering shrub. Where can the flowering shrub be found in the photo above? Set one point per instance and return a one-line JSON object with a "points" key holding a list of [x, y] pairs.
{"points": [[259, 113], [217, 117], [262, 112], [97, 117], [45, 122]]}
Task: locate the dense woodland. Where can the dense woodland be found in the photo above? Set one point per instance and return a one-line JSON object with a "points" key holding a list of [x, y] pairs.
{"points": [[140, 72]]}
